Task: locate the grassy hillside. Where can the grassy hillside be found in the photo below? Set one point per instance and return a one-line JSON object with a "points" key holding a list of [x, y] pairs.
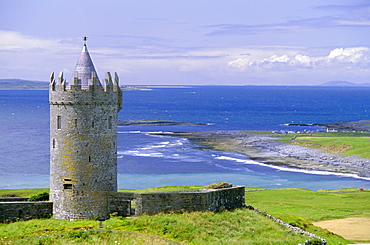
{"points": [[303, 207], [298, 207], [240, 226]]}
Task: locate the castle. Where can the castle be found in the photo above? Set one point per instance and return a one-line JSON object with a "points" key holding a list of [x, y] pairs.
{"points": [[83, 159], [83, 138]]}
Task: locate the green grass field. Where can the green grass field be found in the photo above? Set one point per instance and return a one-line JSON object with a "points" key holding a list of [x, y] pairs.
{"points": [[22, 192], [345, 144], [242, 226]]}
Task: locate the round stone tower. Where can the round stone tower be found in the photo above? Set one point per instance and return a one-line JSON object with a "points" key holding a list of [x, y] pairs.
{"points": [[83, 138]]}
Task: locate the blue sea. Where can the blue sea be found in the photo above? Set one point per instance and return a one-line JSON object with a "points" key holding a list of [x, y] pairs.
{"points": [[146, 160]]}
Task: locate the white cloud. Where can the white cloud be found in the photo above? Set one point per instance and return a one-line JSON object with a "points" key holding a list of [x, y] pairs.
{"points": [[34, 58], [303, 59], [14, 41], [354, 58], [348, 55]]}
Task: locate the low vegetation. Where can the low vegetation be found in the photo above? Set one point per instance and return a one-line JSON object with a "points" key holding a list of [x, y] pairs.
{"points": [[303, 207], [341, 143], [240, 226], [43, 196], [22, 192], [297, 207], [312, 205]]}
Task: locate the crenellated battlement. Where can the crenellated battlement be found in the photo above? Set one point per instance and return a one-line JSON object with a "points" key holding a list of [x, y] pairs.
{"points": [[96, 93]]}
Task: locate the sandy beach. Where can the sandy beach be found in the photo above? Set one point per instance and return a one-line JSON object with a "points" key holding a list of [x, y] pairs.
{"points": [[264, 148]]}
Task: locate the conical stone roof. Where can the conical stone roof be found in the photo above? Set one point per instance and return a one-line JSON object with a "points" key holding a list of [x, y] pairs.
{"points": [[85, 69]]}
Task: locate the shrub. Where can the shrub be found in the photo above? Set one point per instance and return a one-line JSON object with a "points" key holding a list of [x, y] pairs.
{"points": [[218, 185], [44, 196], [315, 241]]}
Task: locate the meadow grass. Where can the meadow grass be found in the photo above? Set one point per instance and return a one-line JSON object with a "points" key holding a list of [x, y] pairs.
{"points": [[23, 192], [311, 205], [103, 237], [302, 207], [240, 226], [341, 143], [42, 227], [298, 207]]}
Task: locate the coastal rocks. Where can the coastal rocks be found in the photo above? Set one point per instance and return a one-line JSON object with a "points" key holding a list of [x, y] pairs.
{"points": [[265, 148], [357, 126], [311, 158]]}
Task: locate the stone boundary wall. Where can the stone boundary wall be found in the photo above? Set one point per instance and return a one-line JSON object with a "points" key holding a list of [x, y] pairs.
{"points": [[295, 229], [13, 199], [203, 200], [14, 211], [119, 203]]}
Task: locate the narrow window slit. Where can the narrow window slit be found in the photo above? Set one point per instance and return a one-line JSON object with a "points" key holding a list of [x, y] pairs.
{"points": [[59, 122], [110, 122]]}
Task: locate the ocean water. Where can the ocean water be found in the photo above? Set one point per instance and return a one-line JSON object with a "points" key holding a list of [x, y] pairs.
{"points": [[146, 160]]}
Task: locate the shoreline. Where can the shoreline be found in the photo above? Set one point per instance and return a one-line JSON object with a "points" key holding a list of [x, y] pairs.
{"points": [[154, 123], [266, 149]]}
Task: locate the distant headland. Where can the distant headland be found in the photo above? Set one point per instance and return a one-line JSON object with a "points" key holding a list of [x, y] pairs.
{"points": [[154, 123], [20, 84]]}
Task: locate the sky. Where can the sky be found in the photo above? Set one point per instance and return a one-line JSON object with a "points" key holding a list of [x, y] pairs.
{"points": [[189, 42]]}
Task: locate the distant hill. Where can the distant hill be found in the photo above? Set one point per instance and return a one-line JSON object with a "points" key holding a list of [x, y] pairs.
{"points": [[345, 84], [19, 84]]}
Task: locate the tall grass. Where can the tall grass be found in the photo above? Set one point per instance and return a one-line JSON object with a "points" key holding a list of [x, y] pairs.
{"points": [[240, 226], [42, 227], [94, 237]]}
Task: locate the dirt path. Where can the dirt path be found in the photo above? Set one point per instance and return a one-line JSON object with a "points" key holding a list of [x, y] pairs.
{"points": [[349, 228]]}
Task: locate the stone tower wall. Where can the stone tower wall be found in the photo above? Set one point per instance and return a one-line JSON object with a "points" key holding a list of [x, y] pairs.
{"points": [[83, 150]]}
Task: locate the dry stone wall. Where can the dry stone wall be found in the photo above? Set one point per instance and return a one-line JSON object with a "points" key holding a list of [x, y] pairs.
{"points": [[14, 211], [203, 200]]}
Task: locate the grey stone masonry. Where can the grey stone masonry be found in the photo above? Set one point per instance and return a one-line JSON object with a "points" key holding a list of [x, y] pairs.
{"points": [[14, 211], [13, 199], [120, 203], [203, 200], [83, 144]]}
